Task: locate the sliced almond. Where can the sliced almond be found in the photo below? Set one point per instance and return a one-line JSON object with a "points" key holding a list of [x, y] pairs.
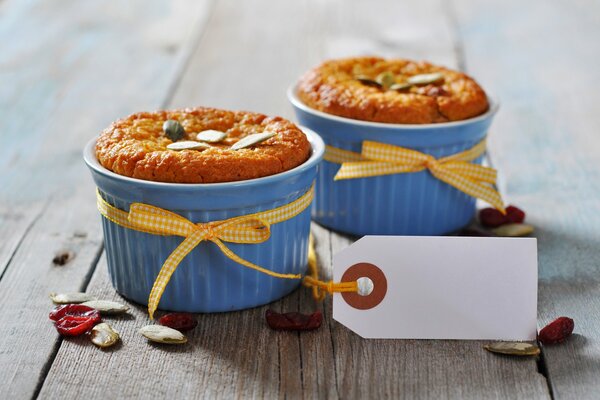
{"points": [[425, 79], [188, 145], [401, 86], [70, 298], [513, 348], [253, 139], [513, 230], [211, 136], [107, 307], [163, 334], [103, 335]]}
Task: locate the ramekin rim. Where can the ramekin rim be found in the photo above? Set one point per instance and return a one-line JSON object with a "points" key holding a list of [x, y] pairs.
{"points": [[316, 142], [296, 102]]}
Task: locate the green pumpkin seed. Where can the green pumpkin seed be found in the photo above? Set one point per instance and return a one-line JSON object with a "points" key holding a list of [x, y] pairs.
{"points": [[386, 79], [425, 79], [513, 230], [173, 130], [107, 307], [365, 80], [513, 348], [211, 136], [163, 334], [401, 86], [253, 139], [103, 335], [70, 298], [188, 145]]}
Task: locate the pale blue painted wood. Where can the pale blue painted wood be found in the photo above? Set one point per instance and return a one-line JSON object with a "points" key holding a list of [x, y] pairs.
{"points": [[67, 69], [73, 67], [541, 58], [270, 45]]}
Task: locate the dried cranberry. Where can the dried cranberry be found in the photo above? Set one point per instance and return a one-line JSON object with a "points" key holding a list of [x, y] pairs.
{"points": [[71, 325], [515, 215], [179, 321], [75, 310], [557, 330], [492, 218], [293, 321]]}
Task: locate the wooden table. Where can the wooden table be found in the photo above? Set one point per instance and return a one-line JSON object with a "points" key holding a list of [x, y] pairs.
{"points": [[70, 67]]}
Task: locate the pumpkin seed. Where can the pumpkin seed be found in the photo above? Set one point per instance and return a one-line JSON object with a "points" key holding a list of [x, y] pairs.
{"points": [[253, 139], [188, 145], [173, 129], [385, 79], [425, 79], [513, 230], [70, 298], [365, 80], [211, 136], [103, 335], [513, 348], [163, 334], [106, 306], [401, 86]]}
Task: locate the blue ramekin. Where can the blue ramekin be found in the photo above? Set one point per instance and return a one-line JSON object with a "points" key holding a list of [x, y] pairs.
{"points": [[401, 204], [206, 280]]}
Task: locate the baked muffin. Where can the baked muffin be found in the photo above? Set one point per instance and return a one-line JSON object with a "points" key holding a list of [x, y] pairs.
{"points": [[136, 146], [392, 91]]}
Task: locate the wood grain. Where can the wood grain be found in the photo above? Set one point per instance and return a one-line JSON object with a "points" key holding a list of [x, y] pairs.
{"points": [[248, 65], [68, 69], [542, 63]]}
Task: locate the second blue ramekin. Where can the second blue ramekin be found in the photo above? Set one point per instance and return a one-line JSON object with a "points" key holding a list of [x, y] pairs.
{"points": [[400, 204], [206, 280]]}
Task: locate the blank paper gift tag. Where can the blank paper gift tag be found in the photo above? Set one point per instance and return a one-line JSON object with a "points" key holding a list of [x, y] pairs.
{"points": [[440, 287]]}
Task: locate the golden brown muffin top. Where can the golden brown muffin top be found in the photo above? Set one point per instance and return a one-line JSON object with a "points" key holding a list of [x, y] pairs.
{"points": [[333, 87], [136, 146]]}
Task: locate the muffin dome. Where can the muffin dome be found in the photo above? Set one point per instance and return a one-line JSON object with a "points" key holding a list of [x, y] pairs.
{"points": [[391, 91], [136, 147]]}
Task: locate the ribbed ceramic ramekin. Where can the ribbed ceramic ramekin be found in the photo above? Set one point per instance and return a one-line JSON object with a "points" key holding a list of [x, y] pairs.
{"points": [[400, 204], [206, 280]]}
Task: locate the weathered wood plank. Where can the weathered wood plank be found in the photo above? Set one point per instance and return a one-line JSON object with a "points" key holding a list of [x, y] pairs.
{"points": [[541, 59], [64, 79], [248, 65], [216, 362], [227, 355], [14, 224]]}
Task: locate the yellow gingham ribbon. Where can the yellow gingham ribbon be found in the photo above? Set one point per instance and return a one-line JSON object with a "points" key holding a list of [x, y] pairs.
{"points": [[456, 170], [249, 229]]}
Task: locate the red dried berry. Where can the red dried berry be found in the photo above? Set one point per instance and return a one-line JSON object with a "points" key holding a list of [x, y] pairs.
{"points": [[293, 321], [179, 321], [76, 310], [515, 215], [557, 331], [71, 325], [492, 218]]}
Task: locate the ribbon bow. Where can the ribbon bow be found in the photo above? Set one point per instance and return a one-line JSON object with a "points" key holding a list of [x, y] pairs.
{"points": [[249, 229], [456, 170]]}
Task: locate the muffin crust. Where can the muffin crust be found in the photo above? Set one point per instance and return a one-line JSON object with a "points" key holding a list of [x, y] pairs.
{"points": [[333, 88], [136, 147]]}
